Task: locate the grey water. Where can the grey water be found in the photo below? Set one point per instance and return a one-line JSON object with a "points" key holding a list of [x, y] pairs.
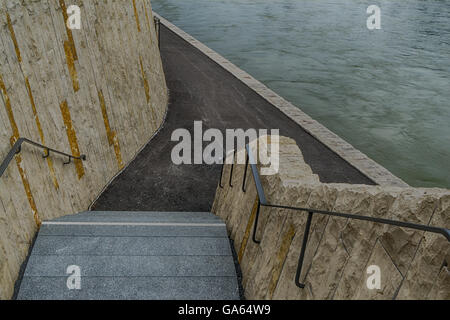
{"points": [[387, 91]]}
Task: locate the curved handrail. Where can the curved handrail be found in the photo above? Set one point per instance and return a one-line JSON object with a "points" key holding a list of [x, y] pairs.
{"points": [[262, 201], [17, 148]]}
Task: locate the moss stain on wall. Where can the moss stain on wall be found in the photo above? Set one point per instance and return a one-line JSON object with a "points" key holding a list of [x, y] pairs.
{"points": [[148, 22], [68, 31], [72, 137], [14, 138], [13, 37], [137, 16], [71, 65], [248, 229], [112, 135], [41, 133], [280, 259], [37, 75], [144, 78]]}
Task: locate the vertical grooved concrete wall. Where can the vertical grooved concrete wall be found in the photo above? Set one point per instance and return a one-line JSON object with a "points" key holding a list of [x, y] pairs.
{"points": [[98, 91]]}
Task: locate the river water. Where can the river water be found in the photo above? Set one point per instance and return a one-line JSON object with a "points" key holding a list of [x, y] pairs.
{"points": [[387, 92]]}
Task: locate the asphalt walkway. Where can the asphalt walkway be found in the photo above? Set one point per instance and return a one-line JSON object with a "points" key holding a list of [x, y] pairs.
{"points": [[201, 90]]}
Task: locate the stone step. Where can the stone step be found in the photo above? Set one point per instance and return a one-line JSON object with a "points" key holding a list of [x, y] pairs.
{"points": [[132, 266], [131, 288], [132, 255], [104, 246], [99, 216], [134, 230]]}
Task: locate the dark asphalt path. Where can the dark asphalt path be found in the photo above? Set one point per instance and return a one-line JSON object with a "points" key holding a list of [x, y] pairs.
{"points": [[201, 90]]}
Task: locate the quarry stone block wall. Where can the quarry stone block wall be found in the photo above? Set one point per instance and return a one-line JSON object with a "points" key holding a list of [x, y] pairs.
{"points": [[98, 91], [413, 264]]}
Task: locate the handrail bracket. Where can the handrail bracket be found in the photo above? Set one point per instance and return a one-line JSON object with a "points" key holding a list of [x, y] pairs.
{"points": [[17, 148]]}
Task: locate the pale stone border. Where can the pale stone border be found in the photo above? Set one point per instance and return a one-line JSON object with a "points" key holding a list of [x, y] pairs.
{"points": [[346, 151], [133, 224]]}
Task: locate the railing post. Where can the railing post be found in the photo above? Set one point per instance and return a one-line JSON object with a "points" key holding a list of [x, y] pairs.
{"points": [[245, 173], [221, 172], [302, 253], [255, 228], [221, 175], [232, 168]]}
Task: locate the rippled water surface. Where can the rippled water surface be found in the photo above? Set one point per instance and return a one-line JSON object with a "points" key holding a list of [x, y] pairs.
{"points": [[387, 91]]}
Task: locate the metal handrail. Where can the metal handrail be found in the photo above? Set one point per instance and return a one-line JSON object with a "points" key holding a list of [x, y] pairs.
{"points": [[262, 201], [17, 148]]}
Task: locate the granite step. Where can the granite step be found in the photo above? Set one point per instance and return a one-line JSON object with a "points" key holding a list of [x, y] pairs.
{"points": [[132, 256]]}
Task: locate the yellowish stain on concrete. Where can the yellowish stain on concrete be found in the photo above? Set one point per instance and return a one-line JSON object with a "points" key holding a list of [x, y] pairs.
{"points": [[9, 111], [13, 37], [279, 260], [148, 23], [144, 77], [147, 89], [71, 66], [62, 4], [33, 107], [146, 85], [118, 152], [14, 138], [137, 16], [105, 117], [72, 137], [248, 230], [41, 132], [112, 135], [27, 188]]}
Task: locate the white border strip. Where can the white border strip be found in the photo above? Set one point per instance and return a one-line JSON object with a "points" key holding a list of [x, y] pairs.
{"points": [[133, 224], [346, 151]]}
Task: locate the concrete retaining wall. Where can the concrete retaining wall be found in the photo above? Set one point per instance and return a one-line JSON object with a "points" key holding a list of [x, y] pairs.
{"points": [[414, 265], [98, 91]]}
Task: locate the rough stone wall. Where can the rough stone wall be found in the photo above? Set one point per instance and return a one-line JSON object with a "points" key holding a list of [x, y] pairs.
{"points": [[98, 91], [414, 265]]}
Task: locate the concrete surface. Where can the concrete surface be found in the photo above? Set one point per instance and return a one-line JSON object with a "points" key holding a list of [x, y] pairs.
{"points": [[81, 92], [202, 90]]}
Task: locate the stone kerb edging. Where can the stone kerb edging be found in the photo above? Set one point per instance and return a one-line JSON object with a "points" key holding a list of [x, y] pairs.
{"points": [[346, 151]]}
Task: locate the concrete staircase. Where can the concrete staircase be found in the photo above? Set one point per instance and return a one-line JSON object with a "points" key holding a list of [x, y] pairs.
{"points": [[132, 255]]}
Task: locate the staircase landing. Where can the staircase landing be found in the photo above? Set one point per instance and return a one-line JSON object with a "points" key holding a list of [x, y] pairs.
{"points": [[132, 256]]}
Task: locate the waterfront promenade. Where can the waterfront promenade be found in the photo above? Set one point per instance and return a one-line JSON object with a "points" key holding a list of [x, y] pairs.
{"points": [[154, 233], [201, 90]]}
